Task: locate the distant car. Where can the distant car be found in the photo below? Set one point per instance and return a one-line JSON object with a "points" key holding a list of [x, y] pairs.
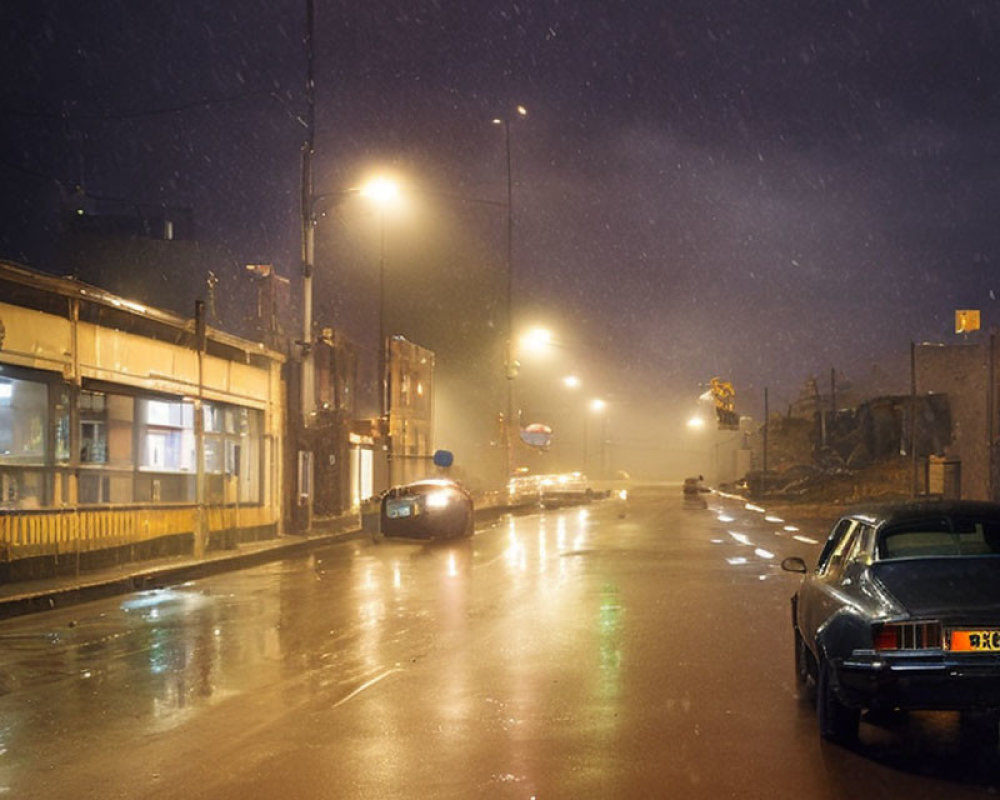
{"points": [[694, 485], [524, 490], [551, 490], [564, 488], [902, 612], [435, 508]]}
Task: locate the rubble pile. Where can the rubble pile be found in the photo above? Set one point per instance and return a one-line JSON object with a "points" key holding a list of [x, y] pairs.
{"points": [[852, 454]]}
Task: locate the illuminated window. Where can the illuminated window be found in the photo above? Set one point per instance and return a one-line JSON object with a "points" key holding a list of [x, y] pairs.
{"points": [[24, 417], [233, 448], [24, 407], [166, 435]]}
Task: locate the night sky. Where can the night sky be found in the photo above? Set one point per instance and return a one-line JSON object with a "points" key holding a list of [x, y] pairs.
{"points": [[757, 190]]}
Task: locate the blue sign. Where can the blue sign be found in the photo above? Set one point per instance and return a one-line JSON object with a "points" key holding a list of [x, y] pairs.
{"points": [[537, 435], [443, 458]]}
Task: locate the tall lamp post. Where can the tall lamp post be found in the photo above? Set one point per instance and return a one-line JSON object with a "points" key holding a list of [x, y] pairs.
{"points": [[384, 193], [596, 406], [510, 368]]}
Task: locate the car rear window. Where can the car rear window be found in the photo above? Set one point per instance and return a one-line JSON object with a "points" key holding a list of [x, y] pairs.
{"points": [[944, 536]]}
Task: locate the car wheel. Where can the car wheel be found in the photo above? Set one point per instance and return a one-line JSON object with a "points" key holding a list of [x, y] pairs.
{"points": [[837, 722], [805, 683], [981, 729]]}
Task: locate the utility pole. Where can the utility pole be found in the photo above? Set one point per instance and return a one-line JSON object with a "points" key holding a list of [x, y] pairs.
{"points": [[307, 375], [308, 393], [763, 478], [384, 356], [510, 367]]}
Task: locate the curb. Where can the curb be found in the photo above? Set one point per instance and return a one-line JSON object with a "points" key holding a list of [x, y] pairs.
{"points": [[79, 590]]}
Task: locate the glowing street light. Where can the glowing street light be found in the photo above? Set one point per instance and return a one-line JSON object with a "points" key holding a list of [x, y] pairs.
{"points": [[571, 382], [519, 110], [536, 340], [382, 191]]}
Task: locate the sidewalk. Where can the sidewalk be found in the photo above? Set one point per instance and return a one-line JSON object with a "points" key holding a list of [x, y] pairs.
{"points": [[47, 593], [26, 597]]}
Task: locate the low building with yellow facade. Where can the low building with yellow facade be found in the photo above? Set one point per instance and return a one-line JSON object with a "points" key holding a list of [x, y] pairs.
{"points": [[128, 432]]}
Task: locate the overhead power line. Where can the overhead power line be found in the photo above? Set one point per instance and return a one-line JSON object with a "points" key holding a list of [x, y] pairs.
{"points": [[69, 116]]}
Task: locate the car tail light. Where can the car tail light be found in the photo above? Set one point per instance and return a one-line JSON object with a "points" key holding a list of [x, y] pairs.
{"points": [[907, 635]]}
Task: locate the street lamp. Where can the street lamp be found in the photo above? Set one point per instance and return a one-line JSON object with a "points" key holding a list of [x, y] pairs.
{"points": [[384, 193], [696, 423], [536, 341], [510, 369]]}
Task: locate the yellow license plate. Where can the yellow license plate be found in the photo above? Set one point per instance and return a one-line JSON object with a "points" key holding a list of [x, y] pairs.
{"points": [[976, 641]]}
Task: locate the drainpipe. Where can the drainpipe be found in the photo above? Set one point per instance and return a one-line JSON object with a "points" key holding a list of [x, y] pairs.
{"points": [[913, 419], [201, 520]]}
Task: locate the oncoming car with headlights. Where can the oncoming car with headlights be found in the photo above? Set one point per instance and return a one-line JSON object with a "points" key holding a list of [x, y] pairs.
{"points": [[434, 508], [902, 612]]}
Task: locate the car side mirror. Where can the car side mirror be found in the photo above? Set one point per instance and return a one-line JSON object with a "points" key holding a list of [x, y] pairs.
{"points": [[794, 564]]}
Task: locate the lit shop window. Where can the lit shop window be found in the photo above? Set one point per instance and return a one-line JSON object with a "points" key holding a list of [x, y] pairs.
{"points": [[93, 428], [233, 446], [167, 441], [23, 419], [24, 415]]}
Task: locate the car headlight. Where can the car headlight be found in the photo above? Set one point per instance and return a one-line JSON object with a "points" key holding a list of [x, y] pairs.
{"points": [[438, 499]]}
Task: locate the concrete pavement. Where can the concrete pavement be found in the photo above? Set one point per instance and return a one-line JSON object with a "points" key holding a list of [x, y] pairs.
{"points": [[26, 597]]}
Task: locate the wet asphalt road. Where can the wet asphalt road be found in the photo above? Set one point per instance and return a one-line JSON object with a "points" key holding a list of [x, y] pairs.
{"points": [[571, 654]]}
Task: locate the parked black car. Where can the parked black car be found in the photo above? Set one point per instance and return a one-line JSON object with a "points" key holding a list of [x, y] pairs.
{"points": [[903, 612], [435, 508]]}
